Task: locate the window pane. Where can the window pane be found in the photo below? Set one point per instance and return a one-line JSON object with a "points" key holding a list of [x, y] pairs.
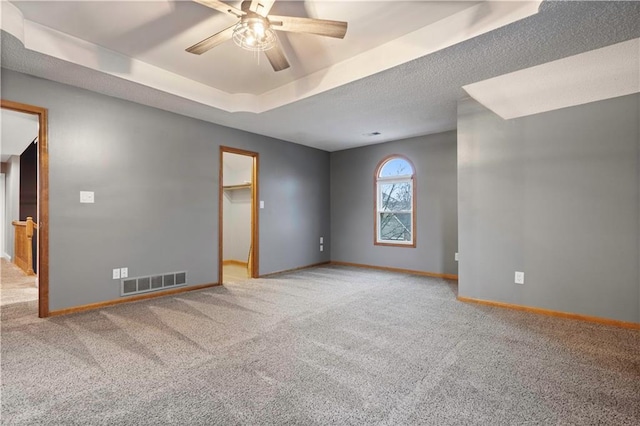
{"points": [[396, 167], [395, 196], [395, 226]]}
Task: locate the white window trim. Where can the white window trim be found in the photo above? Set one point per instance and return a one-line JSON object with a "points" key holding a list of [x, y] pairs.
{"points": [[387, 180]]}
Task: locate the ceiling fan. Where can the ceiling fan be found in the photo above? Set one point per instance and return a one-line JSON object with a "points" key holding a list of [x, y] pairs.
{"points": [[255, 30]]}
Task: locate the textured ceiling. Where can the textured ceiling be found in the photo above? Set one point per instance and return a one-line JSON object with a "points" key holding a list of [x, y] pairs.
{"points": [[415, 98]]}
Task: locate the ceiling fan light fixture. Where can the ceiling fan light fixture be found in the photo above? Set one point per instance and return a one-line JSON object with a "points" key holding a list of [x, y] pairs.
{"points": [[254, 33]]}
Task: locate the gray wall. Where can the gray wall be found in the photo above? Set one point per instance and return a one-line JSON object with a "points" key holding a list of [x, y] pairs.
{"points": [[155, 177], [352, 204], [554, 195]]}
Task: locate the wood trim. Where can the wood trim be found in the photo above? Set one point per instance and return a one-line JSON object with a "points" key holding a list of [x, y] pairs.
{"points": [[255, 252], [23, 223], [299, 268], [220, 222], [549, 312], [375, 204], [98, 305], [234, 262], [239, 151], [401, 270], [377, 243], [43, 199], [255, 222]]}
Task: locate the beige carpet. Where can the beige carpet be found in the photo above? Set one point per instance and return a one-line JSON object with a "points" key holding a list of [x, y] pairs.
{"points": [[330, 345], [15, 285]]}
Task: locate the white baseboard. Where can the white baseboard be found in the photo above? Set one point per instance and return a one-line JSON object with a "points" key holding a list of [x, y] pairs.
{"points": [[6, 256]]}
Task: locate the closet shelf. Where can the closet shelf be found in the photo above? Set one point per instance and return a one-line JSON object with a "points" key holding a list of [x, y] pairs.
{"points": [[235, 187]]}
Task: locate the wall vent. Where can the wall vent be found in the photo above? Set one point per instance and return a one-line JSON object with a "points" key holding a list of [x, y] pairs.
{"points": [[137, 285]]}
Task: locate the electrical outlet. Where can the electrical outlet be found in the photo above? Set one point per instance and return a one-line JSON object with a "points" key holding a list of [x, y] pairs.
{"points": [[519, 277], [116, 274], [456, 257], [321, 247], [321, 240], [124, 272]]}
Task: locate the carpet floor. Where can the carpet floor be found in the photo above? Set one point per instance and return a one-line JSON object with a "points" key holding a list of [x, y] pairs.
{"points": [[329, 345], [15, 285]]}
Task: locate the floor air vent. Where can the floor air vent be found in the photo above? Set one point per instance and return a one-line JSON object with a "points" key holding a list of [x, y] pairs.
{"points": [[149, 283]]}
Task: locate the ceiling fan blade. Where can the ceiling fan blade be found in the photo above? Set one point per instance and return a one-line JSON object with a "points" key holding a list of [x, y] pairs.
{"points": [[211, 42], [276, 58], [221, 7], [261, 7], [322, 27]]}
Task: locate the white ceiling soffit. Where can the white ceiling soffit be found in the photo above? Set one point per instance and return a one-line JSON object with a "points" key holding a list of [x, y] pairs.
{"points": [[18, 131], [435, 36], [600, 74]]}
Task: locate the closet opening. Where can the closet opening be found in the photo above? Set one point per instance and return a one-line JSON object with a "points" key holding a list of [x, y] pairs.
{"points": [[238, 213]]}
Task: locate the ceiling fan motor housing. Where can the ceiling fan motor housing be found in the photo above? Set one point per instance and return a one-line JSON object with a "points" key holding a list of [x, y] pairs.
{"points": [[254, 33]]}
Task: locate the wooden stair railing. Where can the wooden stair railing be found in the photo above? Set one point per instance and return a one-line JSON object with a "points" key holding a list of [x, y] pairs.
{"points": [[23, 244]]}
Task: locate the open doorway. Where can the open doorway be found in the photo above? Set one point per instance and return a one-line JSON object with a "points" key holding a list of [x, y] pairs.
{"points": [[24, 205], [238, 225]]}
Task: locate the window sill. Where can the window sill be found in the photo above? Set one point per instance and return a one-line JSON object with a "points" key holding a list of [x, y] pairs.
{"points": [[409, 245]]}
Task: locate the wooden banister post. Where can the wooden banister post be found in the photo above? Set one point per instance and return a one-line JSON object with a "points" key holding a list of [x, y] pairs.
{"points": [[30, 246], [16, 241], [29, 227]]}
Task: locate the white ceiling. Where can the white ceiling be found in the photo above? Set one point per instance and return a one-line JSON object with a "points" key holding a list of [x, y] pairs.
{"points": [[229, 76], [405, 87], [157, 32], [18, 131]]}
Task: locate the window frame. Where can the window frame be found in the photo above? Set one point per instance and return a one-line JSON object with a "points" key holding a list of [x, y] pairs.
{"points": [[377, 185]]}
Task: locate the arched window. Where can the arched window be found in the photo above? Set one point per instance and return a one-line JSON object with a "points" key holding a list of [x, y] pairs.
{"points": [[395, 202]]}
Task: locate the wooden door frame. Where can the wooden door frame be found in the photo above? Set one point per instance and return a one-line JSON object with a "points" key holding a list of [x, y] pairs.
{"points": [[43, 200], [254, 210]]}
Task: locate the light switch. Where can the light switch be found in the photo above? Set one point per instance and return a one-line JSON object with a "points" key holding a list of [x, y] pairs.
{"points": [[261, 204], [321, 240], [87, 197]]}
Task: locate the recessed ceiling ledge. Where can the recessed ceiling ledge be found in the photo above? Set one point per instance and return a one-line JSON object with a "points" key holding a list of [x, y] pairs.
{"points": [[63, 46], [441, 34]]}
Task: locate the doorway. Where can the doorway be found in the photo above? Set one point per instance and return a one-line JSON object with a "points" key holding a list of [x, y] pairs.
{"points": [[25, 194], [238, 215]]}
